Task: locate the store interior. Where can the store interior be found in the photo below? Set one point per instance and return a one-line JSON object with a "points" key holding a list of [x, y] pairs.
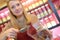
{"points": [[44, 11]]}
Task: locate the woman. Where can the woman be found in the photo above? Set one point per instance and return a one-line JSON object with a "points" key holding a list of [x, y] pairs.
{"points": [[18, 27]]}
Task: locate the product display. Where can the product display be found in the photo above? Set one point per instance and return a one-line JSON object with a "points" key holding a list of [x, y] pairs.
{"points": [[45, 1], [48, 9], [33, 12], [7, 15], [52, 20], [1, 20], [3, 17], [41, 12], [38, 7], [40, 2], [44, 10], [37, 13], [43, 22], [49, 25]]}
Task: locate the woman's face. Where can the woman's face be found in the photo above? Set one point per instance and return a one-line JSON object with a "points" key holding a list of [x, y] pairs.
{"points": [[16, 8]]}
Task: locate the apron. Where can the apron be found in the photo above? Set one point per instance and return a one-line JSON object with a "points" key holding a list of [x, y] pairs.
{"points": [[25, 36]]}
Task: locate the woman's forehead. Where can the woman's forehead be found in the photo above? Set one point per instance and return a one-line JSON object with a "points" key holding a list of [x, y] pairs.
{"points": [[13, 2]]}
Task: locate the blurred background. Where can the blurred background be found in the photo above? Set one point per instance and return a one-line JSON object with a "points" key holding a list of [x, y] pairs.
{"points": [[47, 11]]}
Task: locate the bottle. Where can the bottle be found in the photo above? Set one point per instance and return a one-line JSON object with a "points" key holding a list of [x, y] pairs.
{"points": [[3, 17], [37, 13], [25, 6], [56, 20], [48, 23], [37, 4], [44, 10], [30, 7], [45, 1], [29, 3], [7, 15], [48, 9], [52, 20], [43, 22], [33, 12], [40, 2], [0, 19], [41, 12], [33, 4]]}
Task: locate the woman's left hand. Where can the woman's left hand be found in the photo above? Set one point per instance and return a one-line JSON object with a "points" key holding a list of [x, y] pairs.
{"points": [[44, 33]]}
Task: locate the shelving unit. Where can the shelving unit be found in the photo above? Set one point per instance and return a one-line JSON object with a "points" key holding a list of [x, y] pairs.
{"points": [[4, 16], [42, 9], [43, 14], [55, 12]]}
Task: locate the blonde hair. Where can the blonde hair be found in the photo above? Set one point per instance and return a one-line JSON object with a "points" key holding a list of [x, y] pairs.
{"points": [[14, 21]]}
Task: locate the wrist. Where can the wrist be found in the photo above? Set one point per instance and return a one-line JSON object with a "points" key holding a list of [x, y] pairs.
{"points": [[3, 36]]}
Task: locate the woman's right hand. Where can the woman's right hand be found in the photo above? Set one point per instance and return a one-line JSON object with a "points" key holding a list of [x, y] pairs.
{"points": [[11, 33]]}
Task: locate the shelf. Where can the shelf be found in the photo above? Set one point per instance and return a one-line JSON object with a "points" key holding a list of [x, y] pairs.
{"points": [[2, 4], [54, 26], [45, 16], [37, 7], [4, 22], [3, 7]]}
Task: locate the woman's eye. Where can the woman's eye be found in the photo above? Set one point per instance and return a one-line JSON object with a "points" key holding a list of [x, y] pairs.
{"points": [[18, 4], [13, 6]]}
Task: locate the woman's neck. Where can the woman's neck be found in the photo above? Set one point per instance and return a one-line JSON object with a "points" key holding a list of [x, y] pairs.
{"points": [[22, 21], [20, 18]]}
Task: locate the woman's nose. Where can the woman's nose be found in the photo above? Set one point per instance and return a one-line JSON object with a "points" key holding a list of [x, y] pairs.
{"points": [[17, 8]]}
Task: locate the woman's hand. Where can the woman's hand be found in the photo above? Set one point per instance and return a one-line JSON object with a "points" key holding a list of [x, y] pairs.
{"points": [[45, 33], [11, 33]]}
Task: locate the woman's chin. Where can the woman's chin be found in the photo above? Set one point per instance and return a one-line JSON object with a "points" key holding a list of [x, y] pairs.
{"points": [[19, 15]]}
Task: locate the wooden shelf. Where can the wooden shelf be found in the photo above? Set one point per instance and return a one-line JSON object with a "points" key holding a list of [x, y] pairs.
{"points": [[37, 7], [54, 26], [4, 22], [2, 3]]}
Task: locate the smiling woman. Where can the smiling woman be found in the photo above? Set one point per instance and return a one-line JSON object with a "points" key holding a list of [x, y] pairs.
{"points": [[22, 24]]}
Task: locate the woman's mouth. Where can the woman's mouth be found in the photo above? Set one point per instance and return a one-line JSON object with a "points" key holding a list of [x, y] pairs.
{"points": [[17, 11]]}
